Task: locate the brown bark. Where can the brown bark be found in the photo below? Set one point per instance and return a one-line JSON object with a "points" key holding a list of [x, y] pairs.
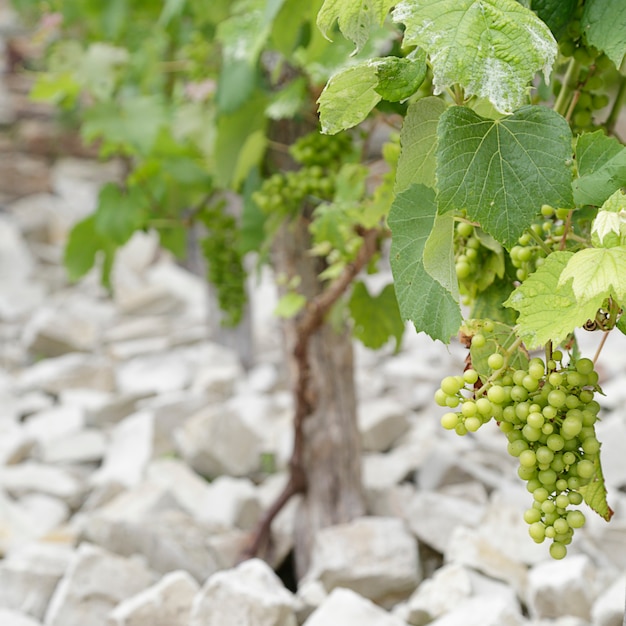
{"points": [[325, 466]]}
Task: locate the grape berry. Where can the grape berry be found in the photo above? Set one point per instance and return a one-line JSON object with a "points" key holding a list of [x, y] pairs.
{"points": [[547, 412]]}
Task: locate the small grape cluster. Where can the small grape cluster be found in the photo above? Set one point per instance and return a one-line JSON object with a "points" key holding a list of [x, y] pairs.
{"points": [[548, 416], [323, 150], [283, 193], [532, 248], [476, 265], [590, 90]]}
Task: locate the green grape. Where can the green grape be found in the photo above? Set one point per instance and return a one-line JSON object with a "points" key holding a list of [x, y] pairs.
{"points": [[470, 376], [558, 551], [495, 361], [450, 385], [478, 341], [449, 421]]}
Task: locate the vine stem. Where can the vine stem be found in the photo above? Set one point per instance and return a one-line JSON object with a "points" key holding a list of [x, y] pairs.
{"points": [[596, 356], [618, 105], [539, 240], [309, 322], [507, 357], [570, 81], [566, 229]]}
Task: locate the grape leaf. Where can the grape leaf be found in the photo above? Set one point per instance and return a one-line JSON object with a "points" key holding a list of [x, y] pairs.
{"points": [[439, 254], [130, 126], [422, 299], [548, 310], [609, 226], [601, 163], [418, 139], [596, 274], [83, 246], [354, 17], [353, 92], [399, 78], [555, 13], [604, 24], [488, 302], [594, 493], [492, 48], [502, 171], [290, 305], [349, 96], [376, 318], [120, 214]]}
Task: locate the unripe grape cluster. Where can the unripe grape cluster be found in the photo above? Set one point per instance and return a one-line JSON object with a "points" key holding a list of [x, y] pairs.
{"points": [[284, 193], [547, 412], [475, 264], [532, 248]]}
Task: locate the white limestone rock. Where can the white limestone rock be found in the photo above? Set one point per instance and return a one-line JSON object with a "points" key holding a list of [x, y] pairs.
{"points": [[87, 446], [167, 603], [483, 610], [470, 548], [17, 527], [32, 477], [232, 502], [15, 618], [249, 594], [436, 596], [70, 371], [218, 441], [15, 444], [433, 517], [130, 450], [558, 588], [609, 608], [375, 556], [47, 512], [170, 410], [344, 606], [29, 576], [72, 323], [55, 422], [154, 374], [189, 490], [95, 582], [148, 521], [381, 422]]}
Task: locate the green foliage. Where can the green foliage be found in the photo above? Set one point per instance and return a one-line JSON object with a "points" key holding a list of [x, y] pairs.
{"points": [[604, 23], [376, 318], [479, 163], [491, 48]]}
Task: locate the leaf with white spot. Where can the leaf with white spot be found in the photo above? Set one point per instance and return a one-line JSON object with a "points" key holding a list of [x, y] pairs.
{"points": [[492, 48], [354, 17]]}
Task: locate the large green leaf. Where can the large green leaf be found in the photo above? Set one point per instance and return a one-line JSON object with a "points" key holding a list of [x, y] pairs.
{"points": [[355, 17], [418, 140], [604, 25], [596, 274], [492, 48], [549, 310], [601, 163], [555, 13], [119, 213], [502, 171], [422, 299], [376, 319]]}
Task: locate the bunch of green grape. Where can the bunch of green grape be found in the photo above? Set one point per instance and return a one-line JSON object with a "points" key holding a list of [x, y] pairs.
{"points": [[225, 269], [533, 247], [476, 265], [284, 193], [547, 412]]}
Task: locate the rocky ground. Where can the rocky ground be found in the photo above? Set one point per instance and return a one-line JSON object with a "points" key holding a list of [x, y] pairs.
{"points": [[115, 409]]}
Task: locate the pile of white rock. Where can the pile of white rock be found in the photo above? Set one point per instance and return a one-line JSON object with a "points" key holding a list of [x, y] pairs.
{"points": [[116, 408]]}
